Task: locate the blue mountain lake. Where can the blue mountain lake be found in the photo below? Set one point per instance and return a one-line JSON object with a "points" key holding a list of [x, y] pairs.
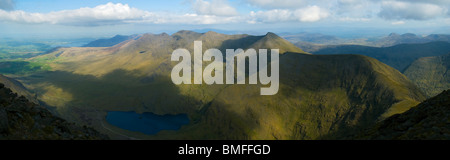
{"points": [[147, 123]]}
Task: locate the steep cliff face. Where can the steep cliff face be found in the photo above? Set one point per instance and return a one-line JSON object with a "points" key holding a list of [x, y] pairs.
{"points": [[21, 119]]}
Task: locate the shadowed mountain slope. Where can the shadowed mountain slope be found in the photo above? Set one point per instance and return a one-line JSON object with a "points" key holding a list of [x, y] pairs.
{"points": [[23, 120], [427, 121]]}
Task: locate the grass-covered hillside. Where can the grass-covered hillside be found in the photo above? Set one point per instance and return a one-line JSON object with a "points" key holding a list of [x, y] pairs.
{"points": [[431, 74]]}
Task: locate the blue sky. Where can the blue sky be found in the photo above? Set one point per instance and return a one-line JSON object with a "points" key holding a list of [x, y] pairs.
{"points": [[96, 18]]}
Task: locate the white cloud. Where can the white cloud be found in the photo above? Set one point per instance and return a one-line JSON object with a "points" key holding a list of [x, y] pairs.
{"points": [[398, 23], [307, 14], [351, 19], [111, 14], [276, 4], [310, 14], [276, 15], [7, 5], [437, 2], [168, 18], [100, 15], [397, 10], [215, 7], [221, 12]]}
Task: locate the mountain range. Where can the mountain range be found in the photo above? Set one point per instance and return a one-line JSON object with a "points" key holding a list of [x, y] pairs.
{"points": [[409, 38], [320, 97], [311, 42]]}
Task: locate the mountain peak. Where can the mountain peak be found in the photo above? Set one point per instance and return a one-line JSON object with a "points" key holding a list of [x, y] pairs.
{"points": [[271, 34], [211, 33], [273, 41], [164, 34]]}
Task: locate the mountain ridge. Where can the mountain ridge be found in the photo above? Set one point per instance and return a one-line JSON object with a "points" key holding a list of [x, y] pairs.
{"points": [[135, 76]]}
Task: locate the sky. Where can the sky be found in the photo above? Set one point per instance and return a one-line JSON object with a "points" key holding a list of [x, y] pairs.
{"points": [[96, 18]]}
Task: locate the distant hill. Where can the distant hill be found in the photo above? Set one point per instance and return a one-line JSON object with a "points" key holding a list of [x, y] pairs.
{"points": [[399, 56], [312, 38], [312, 42], [23, 120], [110, 42], [395, 39], [431, 74], [409, 38], [320, 97], [427, 121]]}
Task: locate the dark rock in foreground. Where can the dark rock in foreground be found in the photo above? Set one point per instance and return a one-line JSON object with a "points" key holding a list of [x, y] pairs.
{"points": [[23, 120], [429, 120]]}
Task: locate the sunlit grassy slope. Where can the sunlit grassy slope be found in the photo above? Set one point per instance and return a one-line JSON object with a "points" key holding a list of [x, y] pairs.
{"points": [[319, 97]]}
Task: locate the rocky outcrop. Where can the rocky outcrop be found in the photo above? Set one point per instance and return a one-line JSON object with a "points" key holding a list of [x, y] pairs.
{"points": [[21, 119]]}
